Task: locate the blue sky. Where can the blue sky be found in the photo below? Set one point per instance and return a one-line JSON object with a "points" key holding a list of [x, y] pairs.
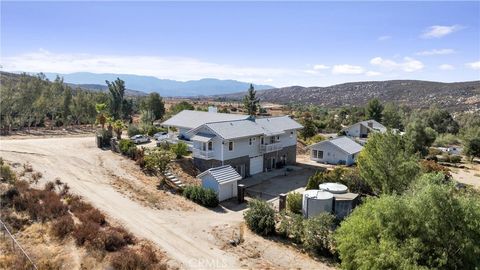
{"points": [[276, 43]]}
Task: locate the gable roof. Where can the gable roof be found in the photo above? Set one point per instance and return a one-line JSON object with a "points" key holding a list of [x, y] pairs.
{"points": [[375, 125], [222, 174], [193, 119], [346, 144], [250, 127]]}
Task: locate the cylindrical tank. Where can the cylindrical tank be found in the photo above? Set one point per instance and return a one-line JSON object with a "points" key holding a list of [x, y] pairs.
{"points": [[334, 188], [316, 201]]}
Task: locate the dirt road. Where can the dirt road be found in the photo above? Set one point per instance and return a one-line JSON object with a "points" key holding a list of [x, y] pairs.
{"points": [[186, 236]]}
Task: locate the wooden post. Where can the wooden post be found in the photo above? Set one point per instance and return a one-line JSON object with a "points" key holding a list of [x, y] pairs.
{"points": [[282, 202]]}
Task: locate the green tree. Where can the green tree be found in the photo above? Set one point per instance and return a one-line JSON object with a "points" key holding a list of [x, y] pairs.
{"points": [[440, 120], [472, 148], [101, 109], [180, 149], [154, 102], [294, 202], [309, 129], [157, 160], [117, 92], [184, 105], [385, 164], [67, 103], [118, 127], [318, 233], [419, 138], [374, 110], [431, 227], [392, 116], [251, 102]]}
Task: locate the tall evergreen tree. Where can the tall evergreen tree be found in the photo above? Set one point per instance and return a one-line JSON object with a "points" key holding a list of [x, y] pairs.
{"points": [[251, 102], [374, 110], [117, 91]]}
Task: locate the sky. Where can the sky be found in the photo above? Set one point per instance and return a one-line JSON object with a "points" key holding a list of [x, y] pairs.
{"points": [[274, 43]]}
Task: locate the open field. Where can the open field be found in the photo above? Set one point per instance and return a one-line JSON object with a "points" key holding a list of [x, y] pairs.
{"points": [[185, 231]]}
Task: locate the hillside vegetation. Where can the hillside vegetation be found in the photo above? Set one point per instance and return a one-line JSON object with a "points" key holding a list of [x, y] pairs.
{"points": [[415, 94]]}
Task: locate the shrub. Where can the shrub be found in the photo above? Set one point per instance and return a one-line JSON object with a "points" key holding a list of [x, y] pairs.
{"points": [[105, 136], [157, 160], [180, 149], [49, 186], [200, 195], [7, 174], [84, 232], [291, 226], [128, 258], [77, 205], [92, 215], [62, 226], [125, 145], [115, 238], [294, 202], [133, 130], [430, 166], [455, 159], [260, 217], [318, 235]]}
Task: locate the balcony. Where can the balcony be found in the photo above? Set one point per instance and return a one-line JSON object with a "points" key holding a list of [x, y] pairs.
{"points": [[271, 147], [203, 154]]}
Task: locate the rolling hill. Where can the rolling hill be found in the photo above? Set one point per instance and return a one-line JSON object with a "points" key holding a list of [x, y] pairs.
{"points": [[416, 94]]}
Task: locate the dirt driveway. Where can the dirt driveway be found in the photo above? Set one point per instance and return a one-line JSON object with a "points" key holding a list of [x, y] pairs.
{"points": [[186, 236]]}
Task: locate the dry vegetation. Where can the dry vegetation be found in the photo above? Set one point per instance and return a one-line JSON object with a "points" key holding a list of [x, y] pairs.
{"points": [[61, 231]]}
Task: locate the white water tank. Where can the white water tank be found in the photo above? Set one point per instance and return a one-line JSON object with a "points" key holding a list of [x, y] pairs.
{"points": [[334, 188], [316, 201]]}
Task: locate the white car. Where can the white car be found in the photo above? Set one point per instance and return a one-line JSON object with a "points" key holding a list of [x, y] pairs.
{"points": [[140, 139], [160, 136]]}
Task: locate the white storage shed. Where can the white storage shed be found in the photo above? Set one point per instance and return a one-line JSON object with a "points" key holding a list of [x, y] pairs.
{"points": [[223, 180]]}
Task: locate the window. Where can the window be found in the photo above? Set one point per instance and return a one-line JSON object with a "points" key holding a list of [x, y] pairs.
{"points": [[278, 138], [210, 145], [251, 140], [291, 134], [262, 140], [314, 153], [320, 154], [230, 146]]}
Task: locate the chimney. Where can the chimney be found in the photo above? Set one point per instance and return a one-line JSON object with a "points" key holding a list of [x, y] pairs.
{"points": [[370, 124], [212, 109]]}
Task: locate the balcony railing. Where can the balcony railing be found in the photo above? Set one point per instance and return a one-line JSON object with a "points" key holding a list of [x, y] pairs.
{"points": [[267, 148], [203, 154]]}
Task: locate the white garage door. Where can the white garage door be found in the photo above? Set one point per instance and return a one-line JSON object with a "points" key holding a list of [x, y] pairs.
{"points": [[256, 165]]}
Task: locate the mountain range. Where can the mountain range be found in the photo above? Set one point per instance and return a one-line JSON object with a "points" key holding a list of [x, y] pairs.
{"points": [[165, 87], [414, 93]]}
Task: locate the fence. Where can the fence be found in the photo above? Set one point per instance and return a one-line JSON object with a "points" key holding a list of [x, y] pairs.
{"points": [[15, 243]]}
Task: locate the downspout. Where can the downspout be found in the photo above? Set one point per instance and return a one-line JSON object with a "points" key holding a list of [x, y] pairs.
{"points": [[222, 151]]}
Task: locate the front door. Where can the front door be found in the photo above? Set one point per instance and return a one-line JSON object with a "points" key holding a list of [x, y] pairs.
{"points": [[273, 163]]}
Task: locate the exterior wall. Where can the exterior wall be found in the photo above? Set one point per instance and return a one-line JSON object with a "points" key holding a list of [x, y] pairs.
{"points": [[290, 152], [353, 130], [242, 147], [331, 154], [203, 164], [183, 132], [224, 191]]}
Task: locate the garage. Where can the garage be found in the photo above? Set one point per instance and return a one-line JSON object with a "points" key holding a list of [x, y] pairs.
{"points": [[223, 180], [256, 165]]}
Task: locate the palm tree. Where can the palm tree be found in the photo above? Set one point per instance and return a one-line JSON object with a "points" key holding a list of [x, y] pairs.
{"points": [[118, 126], [101, 109]]}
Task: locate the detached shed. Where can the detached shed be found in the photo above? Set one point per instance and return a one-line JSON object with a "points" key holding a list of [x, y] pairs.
{"points": [[223, 180]]}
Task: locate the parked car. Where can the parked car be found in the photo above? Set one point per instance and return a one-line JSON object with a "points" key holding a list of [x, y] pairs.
{"points": [[160, 135], [140, 139]]}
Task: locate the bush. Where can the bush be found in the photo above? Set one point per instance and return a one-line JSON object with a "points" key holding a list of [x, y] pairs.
{"points": [[157, 160], [455, 159], [430, 166], [115, 238], [291, 226], [133, 130], [128, 258], [105, 136], [7, 174], [294, 202], [260, 217], [86, 232], [125, 145], [317, 235], [92, 215], [204, 196], [180, 149], [62, 226], [77, 205]]}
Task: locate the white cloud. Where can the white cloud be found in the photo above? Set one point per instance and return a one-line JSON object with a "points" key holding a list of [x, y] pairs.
{"points": [[437, 52], [438, 31], [177, 68], [446, 67], [474, 65], [383, 38], [320, 67], [347, 69], [372, 73], [408, 65]]}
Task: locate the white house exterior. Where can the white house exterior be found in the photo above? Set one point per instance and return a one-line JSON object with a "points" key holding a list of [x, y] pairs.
{"points": [[362, 129], [223, 180], [341, 150], [249, 145]]}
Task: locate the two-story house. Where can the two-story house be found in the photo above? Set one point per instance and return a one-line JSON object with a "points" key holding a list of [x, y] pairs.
{"points": [[363, 128], [250, 145]]}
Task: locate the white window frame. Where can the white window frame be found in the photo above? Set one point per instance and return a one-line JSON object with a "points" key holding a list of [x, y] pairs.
{"points": [[233, 146]]}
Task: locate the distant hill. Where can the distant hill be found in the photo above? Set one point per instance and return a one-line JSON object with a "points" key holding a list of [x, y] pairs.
{"points": [[104, 88], [203, 87], [416, 94]]}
